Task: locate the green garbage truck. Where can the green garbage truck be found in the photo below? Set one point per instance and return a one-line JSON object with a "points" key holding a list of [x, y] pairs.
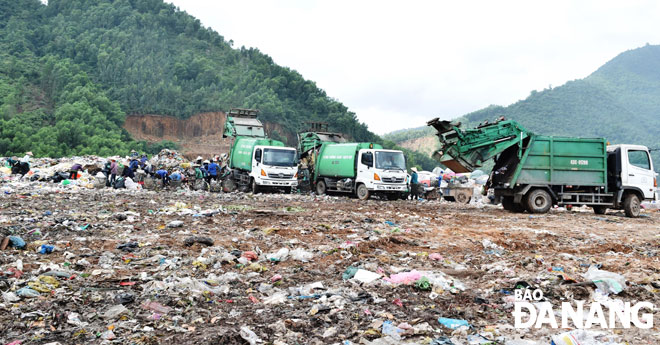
{"points": [[256, 162], [362, 169], [534, 172]]}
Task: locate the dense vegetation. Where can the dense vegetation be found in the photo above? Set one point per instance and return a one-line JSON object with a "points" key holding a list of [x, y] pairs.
{"points": [[72, 69], [620, 102]]}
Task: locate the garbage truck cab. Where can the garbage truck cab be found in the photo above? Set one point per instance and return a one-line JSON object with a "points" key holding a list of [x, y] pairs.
{"points": [[274, 167], [631, 175], [382, 171]]}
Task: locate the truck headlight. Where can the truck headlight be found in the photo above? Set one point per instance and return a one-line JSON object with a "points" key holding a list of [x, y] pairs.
{"points": [[263, 173]]}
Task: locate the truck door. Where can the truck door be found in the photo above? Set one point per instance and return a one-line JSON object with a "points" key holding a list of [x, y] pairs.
{"points": [[638, 172], [365, 166]]}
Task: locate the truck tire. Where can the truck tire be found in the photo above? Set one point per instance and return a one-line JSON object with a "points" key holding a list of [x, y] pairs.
{"points": [[321, 188], [228, 185], [462, 198], [509, 205], [255, 187], [631, 205], [362, 192], [538, 201], [600, 209]]}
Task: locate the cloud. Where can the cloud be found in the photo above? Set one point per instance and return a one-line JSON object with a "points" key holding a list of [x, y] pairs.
{"points": [[398, 64]]}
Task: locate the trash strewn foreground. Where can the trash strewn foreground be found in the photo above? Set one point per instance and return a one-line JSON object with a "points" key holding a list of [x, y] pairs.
{"points": [[85, 266]]}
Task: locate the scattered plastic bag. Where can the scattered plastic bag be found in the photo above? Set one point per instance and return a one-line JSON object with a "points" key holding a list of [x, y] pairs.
{"points": [[300, 254], [365, 276], [453, 323], [607, 282]]}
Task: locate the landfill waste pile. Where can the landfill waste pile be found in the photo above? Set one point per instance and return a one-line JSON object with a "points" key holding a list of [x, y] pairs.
{"points": [[104, 266]]}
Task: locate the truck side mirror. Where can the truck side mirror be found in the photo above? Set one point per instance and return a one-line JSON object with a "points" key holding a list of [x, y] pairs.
{"points": [[257, 155]]}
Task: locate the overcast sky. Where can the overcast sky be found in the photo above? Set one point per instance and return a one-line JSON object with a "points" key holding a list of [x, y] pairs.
{"points": [[397, 64]]}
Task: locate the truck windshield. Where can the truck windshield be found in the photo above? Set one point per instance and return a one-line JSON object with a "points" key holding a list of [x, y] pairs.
{"points": [[390, 160], [279, 157]]}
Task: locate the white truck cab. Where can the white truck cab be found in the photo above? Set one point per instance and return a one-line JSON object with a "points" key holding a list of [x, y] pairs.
{"points": [[631, 177], [274, 167], [381, 171]]}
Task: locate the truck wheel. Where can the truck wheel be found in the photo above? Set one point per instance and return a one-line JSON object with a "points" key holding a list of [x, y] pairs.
{"points": [[362, 192], [255, 187], [600, 209], [228, 185], [509, 205], [631, 205], [462, 198], [538, 201], [320, 187]]}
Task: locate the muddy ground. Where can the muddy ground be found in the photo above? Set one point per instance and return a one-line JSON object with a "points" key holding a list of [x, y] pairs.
{"points": [[177, 294]]}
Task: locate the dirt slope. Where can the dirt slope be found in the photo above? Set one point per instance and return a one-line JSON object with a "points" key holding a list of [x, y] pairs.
{"points": [[424, 145], [199, 135]]}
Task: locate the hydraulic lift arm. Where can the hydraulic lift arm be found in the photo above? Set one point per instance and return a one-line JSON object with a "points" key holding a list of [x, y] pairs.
{"points": [[465, 150]]}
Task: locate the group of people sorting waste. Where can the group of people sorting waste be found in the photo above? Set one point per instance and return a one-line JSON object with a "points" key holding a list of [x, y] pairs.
{"points": [[139, 169]]}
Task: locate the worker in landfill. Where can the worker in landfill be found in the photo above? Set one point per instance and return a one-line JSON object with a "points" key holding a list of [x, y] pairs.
{"points": [[162, 175], [134, 154], [223, 161], [199, 174], [414, 183], [134, 164], [213, 170], [198, 160], [176, 176], [128, 171], [114, 167], [24, 165], [143, 161], [73, 172], [14, 164]]}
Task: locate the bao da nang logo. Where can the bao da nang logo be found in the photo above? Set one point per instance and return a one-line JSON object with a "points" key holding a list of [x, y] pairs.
{"points": [[530, 311]]}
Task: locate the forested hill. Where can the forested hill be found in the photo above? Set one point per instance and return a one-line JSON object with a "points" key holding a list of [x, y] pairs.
{"points": [[71, 70], [620, 101]]}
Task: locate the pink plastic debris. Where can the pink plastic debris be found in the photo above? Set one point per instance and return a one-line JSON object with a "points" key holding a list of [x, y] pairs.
{"points": [[250, 255], [404, 278], [436, 257], [156, 307]]}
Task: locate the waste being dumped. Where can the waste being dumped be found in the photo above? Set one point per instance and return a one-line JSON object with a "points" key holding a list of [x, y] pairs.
{"points": [[83, 265]]}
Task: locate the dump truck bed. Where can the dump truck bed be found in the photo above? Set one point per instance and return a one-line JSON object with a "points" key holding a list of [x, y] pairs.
{"points": [[548, 160]]}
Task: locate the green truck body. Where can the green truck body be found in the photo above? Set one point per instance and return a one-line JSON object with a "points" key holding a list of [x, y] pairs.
{"points": [[563, 161], [339, 159], [241, 151]]}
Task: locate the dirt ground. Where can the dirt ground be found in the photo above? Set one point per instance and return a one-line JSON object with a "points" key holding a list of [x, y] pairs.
{"points": [[203, 294]]}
